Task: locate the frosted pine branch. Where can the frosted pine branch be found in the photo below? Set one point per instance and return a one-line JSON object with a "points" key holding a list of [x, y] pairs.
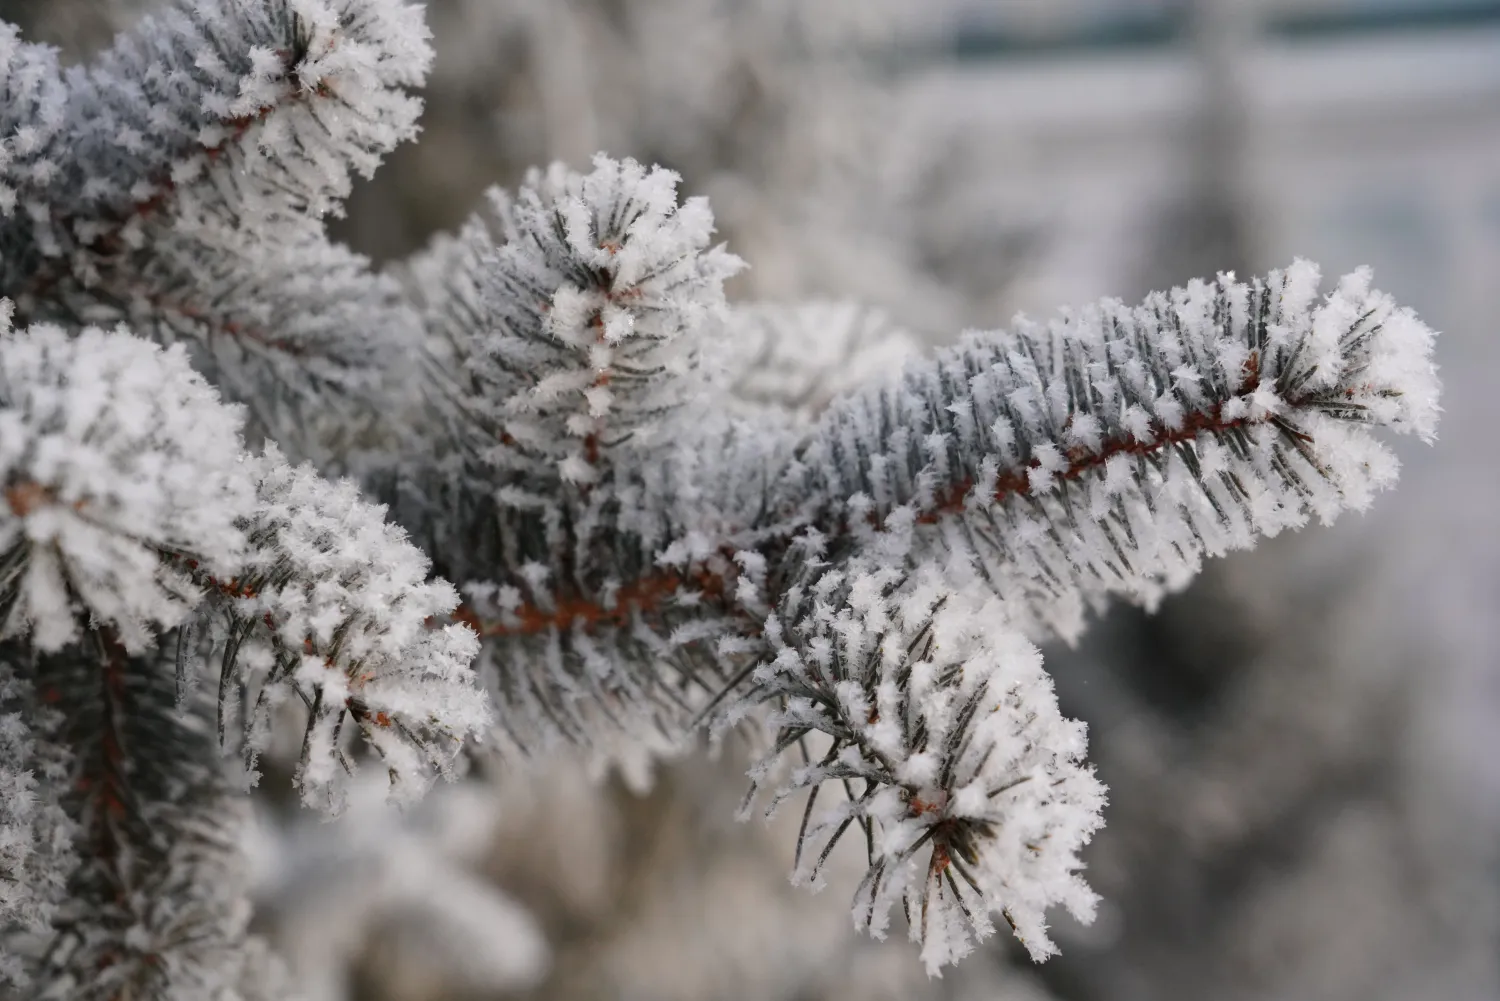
{"points": [[943, 740], [112, 452], [30, 113], [661, 511], [598, 306], [180, 182], [333, 609], [154, 904], [1106, 453], [1109, 451], [227, 109], [128, 499], [573, 353], [36, 833]]}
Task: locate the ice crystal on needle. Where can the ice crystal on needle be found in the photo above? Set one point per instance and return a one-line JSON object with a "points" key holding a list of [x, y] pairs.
{"points": [[1110, 450], [177, 183], [1051, 466], [36, 833]]}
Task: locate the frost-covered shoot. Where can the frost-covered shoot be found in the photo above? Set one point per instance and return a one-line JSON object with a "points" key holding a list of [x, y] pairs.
{"points": [[660, 511], [113, 452], [333, 609]]}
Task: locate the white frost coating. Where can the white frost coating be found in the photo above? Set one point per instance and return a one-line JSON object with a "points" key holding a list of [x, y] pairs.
{"points": [[973, 791], [287, 98], [31, 81], [178, 183], [1051, 467], [598, 306], [113, 452], [36, 835], [1127, 443], [640, 550], [579, 324], [182, 934], [349, 610]]}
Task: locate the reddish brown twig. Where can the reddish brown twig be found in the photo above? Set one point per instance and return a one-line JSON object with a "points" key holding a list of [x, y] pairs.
{"points": [[648, 593], [642, 596], [25, 497]]}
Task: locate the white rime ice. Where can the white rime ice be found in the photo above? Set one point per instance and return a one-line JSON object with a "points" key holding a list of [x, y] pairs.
{"points": [[178, 183], [598, 299], [1050, 466], [1110, 450], [663, 511], [764, 554], [973, 795], [112, 452], [334, 607], [29, 116], [576, 333], [36, 834]]}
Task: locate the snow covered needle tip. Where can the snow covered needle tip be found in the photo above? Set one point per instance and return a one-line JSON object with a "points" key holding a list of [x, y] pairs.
{"points": [[333, 609], [1108, 452], [599, 302], [113, 452], [943, 731], [875, 574]]}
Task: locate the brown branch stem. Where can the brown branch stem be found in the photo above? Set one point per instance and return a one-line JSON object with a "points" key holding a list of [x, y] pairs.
{"points": [[649, 592]]}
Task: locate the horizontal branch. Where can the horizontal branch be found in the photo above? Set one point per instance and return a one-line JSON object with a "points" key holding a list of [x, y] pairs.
{"points": [[103, 232], [214, 108], [1109, 451], [645, 596], [1081, 460], [1105, 454]]}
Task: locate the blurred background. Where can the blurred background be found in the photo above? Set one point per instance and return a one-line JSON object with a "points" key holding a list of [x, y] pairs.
{"points": [[1303, 749]]}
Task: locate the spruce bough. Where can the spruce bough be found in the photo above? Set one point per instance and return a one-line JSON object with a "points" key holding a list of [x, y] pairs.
{"points": [[233, 454]]}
